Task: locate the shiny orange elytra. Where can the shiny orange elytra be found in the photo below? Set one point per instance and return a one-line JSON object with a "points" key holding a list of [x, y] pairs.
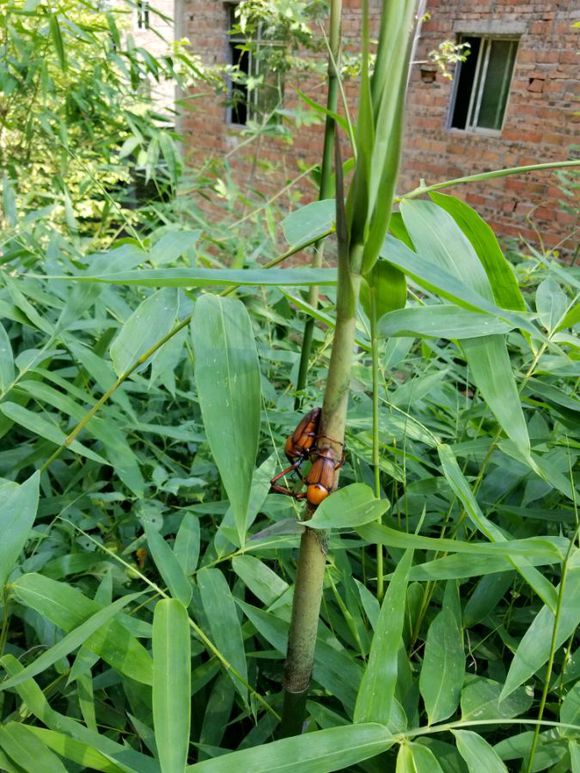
{"points": [[302, 444], [301, 441], [316, 494], [321, 477]]}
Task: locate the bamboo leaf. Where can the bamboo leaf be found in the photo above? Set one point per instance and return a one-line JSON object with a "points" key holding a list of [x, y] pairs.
{"points": [[377, 690], [6, 360], [210, 277], [68, 608], [56, 35], [534, 647], [76, 751], [460, 488], [168, 565], [334, 749], [350, 506], [18, 506], [150, 321], [382, 290], [490, 367], [477, 753], [439, 239], [551, 304], [500, 274], [39, 425], [70, 642], [310, 223], [27, 750], [441, 321], [385, 535], [125, 759], [443, 667], [227, 375], [439, 280], [264, 583], [187, 543], [480, 699], [570, 708], [416, 758], [171, 684], [225, 627]]}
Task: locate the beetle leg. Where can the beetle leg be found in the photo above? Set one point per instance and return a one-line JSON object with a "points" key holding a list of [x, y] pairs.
{"points": [[287, 471]]}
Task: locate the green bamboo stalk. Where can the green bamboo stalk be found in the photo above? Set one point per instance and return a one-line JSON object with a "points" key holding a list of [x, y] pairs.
{"points": [[376, 460], [357, 223], [325, 189]]}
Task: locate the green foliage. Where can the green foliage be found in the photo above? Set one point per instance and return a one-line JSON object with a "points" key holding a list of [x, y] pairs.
{"points": [[80, 136]]}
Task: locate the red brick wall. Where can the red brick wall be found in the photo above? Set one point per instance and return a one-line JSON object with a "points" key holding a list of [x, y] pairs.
{"points": [[538, 125]]}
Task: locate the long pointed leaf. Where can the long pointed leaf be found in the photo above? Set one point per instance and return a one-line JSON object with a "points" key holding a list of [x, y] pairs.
{"points": [[171, 683], [227, 375], [376, 694]]}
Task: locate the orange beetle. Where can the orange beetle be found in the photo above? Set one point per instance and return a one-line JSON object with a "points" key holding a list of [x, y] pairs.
{"points": [[301, 441], [320, 481], [298, 447]]}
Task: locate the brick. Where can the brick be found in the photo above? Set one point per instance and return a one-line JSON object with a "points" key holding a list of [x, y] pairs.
{"points": [[539, 124]]}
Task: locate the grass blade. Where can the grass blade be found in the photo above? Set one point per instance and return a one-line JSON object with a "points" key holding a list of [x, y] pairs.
{"points": [[17, 513], [375, 697], [171, 684]]}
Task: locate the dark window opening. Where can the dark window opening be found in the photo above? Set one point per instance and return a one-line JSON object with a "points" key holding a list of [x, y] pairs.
{"points": [[483, 83], [143, 14], [251, 59]]}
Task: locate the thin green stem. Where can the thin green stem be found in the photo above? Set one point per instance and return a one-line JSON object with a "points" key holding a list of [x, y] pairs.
{"points": [[551, 657], [420, 190], [447, 726], [325, 190]]}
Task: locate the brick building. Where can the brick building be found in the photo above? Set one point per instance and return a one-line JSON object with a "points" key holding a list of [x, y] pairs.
{"points": [[509, 104]]}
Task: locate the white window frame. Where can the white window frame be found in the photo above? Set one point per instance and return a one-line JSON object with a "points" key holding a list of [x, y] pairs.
{"points": [[478, 85]]}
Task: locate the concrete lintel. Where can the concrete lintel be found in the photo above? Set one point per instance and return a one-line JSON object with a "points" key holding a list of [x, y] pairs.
{"points": [[490, 27]]}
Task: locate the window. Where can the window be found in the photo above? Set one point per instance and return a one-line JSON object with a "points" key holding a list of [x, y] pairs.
{"points": [[256, 86], [143, 14], [482, 84]]}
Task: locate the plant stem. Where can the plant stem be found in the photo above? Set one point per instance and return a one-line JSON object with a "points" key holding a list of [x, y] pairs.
{"points": [[475, 178], [376, 459], [312, 556], [550, 664], [325, 190]]}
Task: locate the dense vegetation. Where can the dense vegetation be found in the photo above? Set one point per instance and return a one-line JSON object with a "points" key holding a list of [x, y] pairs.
{"points": [[146, 392]]}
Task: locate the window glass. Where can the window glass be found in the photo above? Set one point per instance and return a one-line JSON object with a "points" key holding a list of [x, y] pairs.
{"points": [[496, 87], [483, 83]]}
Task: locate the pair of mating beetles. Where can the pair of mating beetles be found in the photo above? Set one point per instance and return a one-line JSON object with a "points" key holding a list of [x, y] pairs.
{"points": [[302, 445]]}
